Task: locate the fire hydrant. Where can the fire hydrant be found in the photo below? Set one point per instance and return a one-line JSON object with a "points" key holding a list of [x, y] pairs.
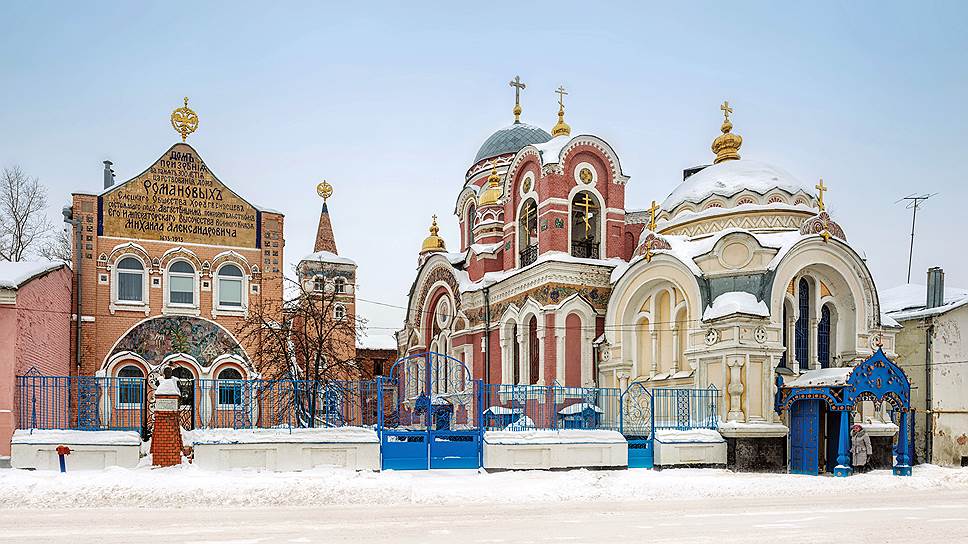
{"points": [[63, 451]]}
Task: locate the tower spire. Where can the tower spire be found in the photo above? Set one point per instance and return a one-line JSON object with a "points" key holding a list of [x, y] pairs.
{"points": [[325, 240], [726, 145], [562, 128], [518, 87]]}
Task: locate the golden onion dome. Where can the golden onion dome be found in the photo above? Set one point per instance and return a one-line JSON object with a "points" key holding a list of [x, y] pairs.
{"points": [[492, 191], [433, 243], [726, 145]]}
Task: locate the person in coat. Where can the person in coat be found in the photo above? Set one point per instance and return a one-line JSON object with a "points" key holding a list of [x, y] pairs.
{"points": [[860, 449]]}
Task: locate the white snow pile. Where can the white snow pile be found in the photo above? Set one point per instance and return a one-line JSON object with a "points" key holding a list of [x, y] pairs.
{"points": [[76, 438], [328, 257], [546, 436], [674, 436], [324, 435], [908, 301], [735, 302], [187, 486], [822, 377], [15, 274]]}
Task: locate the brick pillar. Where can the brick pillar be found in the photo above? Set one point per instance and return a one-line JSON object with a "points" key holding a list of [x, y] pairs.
{"points": [[166, 441]]}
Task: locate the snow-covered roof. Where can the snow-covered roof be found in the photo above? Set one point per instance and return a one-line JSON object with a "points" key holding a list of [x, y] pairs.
{"points": [[503, 411], [482, 249], [492, 278], [822, 377], [731, 177], [578, 408], [328, 257], [735, 302], [15, 274], [908, 301], [376, 341], [550, 151]]}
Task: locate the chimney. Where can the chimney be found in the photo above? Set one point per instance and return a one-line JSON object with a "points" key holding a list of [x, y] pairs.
{"points": [[108, 175], [935, 287]]}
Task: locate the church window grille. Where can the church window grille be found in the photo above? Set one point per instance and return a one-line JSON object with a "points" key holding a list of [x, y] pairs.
{"points": [[585, 230], [803, 324], [823, 337], [469, 221], [229, 388], [230, 286], [181, 283], [775, 199], [131, 277], [130, 387], [528, 235], [745, 200]]}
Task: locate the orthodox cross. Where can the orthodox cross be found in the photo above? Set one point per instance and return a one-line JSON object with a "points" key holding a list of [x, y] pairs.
{"points": [[652, 211], [527, 218], [518, 87], [820, 190], [561, 96], [726, 109], [588, 204]]}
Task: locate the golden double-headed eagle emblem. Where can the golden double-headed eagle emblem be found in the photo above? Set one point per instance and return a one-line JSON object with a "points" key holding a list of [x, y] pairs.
{"points": [[324, 190], [184, 120]]}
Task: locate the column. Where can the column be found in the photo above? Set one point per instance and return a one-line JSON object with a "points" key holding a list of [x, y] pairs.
{"points": [[655, 352], [541, 351], [166, 440], [735, 389], [523, 356], [903, 466], [675, 350], [843, 468]]}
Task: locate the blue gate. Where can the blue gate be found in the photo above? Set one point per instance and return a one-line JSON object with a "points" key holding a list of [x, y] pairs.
{"points": [[429, 414], [805, 437], [638, 425]]}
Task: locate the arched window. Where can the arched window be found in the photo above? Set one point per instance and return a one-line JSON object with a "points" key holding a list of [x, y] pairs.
{"points": [[181, 283], [131, 280], [339, 285], [131, 387], [469, 220], [230, 286], [823, 337], [319, 283], [528, 232], [802, 328], [534, 363], [229, 388], [339, 312], [585, 228]]}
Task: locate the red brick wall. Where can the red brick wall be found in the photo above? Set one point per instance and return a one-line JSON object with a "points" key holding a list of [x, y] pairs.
{"points": [[44, 324]]}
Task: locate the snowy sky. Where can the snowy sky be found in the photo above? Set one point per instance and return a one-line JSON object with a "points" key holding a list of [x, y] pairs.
{"points": [[390, 102]]}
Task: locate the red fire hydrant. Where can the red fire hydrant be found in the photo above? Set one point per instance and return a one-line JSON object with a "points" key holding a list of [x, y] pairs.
{"points": [[63, 451]]}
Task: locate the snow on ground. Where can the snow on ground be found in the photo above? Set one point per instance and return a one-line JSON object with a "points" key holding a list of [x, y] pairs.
{"points": [[76, 438], [324, 435], [188, 486], [547, 436], [675, 436]]}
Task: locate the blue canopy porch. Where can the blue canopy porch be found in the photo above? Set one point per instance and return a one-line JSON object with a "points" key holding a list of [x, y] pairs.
{"points": [[839, 390]]}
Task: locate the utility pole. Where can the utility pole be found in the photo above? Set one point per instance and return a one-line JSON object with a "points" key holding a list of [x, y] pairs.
{"points": [[913, 203]]}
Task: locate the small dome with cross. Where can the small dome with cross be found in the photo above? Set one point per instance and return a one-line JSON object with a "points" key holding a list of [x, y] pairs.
{"points": [[510, 140]]}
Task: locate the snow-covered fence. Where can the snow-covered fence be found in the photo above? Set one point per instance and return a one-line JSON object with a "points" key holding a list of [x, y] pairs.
{"points": [[79, 402], [529, 407], [682, 409]]}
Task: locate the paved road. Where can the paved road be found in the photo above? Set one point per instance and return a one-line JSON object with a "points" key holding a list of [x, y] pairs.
{"points": [[921, 517]]}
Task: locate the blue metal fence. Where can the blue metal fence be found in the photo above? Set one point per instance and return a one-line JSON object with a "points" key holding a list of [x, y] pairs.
{"points": [[79, 402], [528, 407], [683, 409]]}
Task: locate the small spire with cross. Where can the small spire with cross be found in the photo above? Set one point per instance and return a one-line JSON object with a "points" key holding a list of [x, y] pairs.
{"points": [[726, 145], [821, 188], [726, 110], [562, 128], [518, 87], [654, 208]]}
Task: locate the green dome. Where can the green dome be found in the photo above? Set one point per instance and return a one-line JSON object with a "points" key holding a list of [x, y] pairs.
{"points": [[510, 140]]}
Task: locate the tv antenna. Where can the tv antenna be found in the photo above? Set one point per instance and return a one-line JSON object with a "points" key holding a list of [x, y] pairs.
{"points": [[914, 202]]}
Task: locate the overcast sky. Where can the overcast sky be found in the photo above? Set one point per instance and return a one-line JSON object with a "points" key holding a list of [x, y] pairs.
{"points": [[390, 102]]}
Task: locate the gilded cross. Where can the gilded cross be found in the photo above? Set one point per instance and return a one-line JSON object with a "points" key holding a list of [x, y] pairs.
{"points": [[588, 204], [561, 95], [527, 218], [652, 210], [518, 87], [820, 190], [726, 109]]}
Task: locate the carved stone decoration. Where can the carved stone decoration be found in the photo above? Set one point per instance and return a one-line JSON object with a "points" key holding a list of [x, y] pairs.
{"points": [[735, 389], [651, 243], [712, 336], [759, 334], [823, 225]]}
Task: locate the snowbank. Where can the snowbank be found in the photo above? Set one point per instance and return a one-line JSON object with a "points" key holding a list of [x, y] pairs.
{"points": [[673, 436], [187, 486], [326, 435], [76, 438], [567, 436]]}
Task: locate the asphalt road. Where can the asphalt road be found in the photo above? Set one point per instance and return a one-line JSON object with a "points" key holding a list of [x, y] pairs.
{"points": [[922, 517]]}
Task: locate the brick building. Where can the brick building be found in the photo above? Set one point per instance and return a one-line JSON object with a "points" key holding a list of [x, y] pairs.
{"points": [[35, 327], [171, 261]]}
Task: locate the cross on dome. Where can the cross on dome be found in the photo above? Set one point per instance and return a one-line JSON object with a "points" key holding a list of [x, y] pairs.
{"points": [[726, 109], [655, 207], [518, 87], [562, 128], [821, 188]]}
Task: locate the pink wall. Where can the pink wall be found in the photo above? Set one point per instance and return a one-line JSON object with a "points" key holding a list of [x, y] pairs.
{"points": [[36, 332]]}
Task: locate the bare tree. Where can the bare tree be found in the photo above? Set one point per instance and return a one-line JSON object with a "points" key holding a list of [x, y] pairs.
{"points": [[23, 214], [309, 336], [58, 247]]}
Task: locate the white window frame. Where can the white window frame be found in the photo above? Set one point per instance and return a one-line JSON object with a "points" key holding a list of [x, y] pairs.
{"points": [[181, 308], [219, 382], [217, 307], [121, 381], [319, 284], [129, 305], [336, 309], [339, 285]]}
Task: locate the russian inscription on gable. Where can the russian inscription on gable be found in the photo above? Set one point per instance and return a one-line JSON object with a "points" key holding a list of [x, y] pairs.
{"points": [[179, 200]]}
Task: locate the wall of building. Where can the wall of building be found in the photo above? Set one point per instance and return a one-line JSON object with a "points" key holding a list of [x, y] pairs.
{"points": [[949, 378]]}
